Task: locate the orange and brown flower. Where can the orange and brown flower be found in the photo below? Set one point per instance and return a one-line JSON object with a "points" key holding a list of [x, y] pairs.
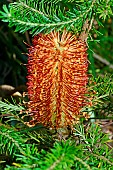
{"points": [[57, 79]]}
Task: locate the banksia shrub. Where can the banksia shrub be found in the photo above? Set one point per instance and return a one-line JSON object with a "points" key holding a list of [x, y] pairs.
{"points": [[57, 79]]}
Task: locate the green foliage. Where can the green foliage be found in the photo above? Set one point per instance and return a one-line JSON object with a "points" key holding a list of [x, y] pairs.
{"points": [[11, 141], [101, 86], [14, 112], [45, 16], [100, 94], [91, 153], [9, 108]]}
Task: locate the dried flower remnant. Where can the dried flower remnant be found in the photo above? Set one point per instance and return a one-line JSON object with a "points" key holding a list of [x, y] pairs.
{"points": [[57, 79]]}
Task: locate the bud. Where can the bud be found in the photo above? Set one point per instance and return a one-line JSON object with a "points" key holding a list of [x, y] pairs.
{"points": [[57, 79]]}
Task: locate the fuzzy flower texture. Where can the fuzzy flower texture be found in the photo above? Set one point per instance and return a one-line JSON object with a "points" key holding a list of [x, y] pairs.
{"points": [[57, 79]]}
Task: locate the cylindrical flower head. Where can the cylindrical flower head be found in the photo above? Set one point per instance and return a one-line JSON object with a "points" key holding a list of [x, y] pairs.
{"points": [[57, 79]]}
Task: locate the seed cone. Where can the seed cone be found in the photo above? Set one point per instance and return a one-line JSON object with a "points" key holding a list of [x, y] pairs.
{"points": [[57, 79]]}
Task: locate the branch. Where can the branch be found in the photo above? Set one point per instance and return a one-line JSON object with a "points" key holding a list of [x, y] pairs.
{"points": [[104, 61]]}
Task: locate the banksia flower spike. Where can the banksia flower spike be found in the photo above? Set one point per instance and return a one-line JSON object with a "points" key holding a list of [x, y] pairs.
{"points": [[57, 79]]}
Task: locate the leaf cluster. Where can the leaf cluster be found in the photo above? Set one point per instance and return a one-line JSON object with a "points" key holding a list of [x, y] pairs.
{"points": [[34, 147], [45, 16], [91, 152], [102, 86], [100, 91]]}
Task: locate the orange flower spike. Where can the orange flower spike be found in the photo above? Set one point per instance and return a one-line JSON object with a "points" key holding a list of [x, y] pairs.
{"points": [[57, 79]]}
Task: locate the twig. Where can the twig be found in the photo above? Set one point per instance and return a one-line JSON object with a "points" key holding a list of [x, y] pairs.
{"points": [[81, 161], [103, 158], [104, 61]]}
